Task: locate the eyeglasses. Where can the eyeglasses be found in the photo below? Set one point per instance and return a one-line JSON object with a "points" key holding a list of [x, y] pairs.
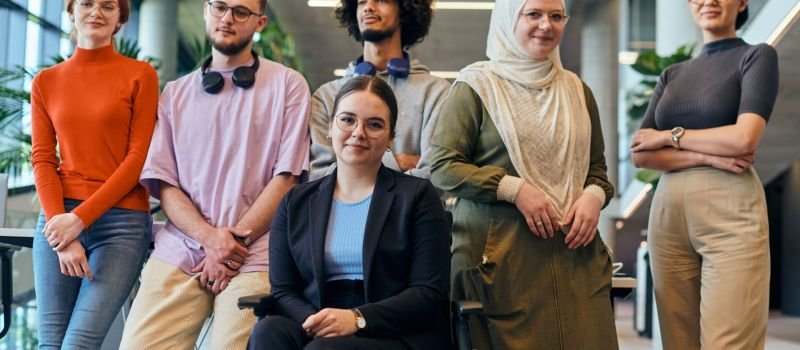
{"points": [[107, 8], [240, 13], [373, 127], [534, 18], [702, 2]]}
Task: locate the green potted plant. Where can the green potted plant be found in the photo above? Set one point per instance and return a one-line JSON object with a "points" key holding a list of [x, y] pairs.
{"points": [[650, 65]]}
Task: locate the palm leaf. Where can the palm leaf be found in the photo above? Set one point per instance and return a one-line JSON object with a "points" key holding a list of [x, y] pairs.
{"points": [[200, 49]]}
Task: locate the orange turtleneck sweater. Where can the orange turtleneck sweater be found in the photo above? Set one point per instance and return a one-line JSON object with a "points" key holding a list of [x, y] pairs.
{"points": [[99, 108]]}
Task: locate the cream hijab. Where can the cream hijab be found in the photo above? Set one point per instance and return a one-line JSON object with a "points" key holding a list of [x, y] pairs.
{"points": [[539, 110]]}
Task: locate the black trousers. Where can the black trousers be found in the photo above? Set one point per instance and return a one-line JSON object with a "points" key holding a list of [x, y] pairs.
{"points": [[283, 333], [278, 332]]}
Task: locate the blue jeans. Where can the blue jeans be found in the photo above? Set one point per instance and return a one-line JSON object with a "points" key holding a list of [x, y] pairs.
{"points": [[75, 313]]}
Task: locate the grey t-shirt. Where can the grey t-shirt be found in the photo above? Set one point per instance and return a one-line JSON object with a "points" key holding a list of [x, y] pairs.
{"points": [[420, 96], [728, 78]]}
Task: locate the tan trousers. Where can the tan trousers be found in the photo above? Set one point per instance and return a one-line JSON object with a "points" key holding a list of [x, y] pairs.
{"points": [[709, 248], [170, 308]]}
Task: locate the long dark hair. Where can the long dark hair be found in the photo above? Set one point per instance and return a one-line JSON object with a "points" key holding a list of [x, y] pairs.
{"points": [[371, 84]]}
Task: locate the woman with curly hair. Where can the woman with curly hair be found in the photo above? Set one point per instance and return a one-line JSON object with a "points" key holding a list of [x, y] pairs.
{"points": [[386, 28]]}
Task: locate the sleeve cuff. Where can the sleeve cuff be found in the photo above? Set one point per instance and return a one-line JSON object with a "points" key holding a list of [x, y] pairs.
{"points": [[508, 188], [596, 191]]}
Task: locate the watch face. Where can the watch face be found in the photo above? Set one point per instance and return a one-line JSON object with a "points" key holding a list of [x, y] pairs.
{"points": [[677, 131], [245, 241], [361, 322]]}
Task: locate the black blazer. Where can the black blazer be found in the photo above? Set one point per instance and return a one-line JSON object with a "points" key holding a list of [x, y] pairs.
{"points": [[406, 258]]}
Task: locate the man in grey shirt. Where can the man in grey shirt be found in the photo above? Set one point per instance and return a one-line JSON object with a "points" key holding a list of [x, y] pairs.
{"points": [[386, 28]]}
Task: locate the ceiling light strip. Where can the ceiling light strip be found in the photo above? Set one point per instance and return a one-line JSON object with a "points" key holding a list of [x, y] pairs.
{"points": [[322, 3], [463, 5], [438, 5]]}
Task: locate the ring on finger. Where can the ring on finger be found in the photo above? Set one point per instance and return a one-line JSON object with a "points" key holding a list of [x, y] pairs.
{"points": [[229, 263], [539, 224], [210, 283]]}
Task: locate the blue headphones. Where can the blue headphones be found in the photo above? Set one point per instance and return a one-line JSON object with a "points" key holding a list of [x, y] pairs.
{"points": [[397, 67]]}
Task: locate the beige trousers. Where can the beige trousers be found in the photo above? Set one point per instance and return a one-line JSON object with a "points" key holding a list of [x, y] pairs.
{"points": [[709, 248], [170, 308]]}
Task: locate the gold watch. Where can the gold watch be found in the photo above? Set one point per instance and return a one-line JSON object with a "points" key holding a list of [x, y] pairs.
{"points": [[361, 323]]}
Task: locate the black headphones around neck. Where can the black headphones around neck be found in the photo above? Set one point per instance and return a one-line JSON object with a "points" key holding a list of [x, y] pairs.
{"points": [[397, 67], [243, 77]]}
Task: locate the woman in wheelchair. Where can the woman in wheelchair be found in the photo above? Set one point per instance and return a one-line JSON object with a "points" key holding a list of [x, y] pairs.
{"points": [[359, 259]]}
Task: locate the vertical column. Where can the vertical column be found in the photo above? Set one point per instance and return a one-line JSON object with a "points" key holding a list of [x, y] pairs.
{"points": [[600, 70], [16, 44], [675, 27], [49, 39], [158, 35], [5, 28], [789, 241]]}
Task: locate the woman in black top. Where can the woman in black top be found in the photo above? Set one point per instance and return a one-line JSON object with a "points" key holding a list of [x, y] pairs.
{"points": [[708, 230]]}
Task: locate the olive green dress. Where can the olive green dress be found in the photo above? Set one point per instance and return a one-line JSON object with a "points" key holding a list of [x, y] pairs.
{"points": [[536, 293]]}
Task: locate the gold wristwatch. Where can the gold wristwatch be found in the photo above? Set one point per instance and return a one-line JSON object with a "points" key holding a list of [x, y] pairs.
{"points": [[361, 323]]}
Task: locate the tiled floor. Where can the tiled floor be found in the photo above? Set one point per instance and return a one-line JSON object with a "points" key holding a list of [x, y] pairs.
{"points": [[783, 332]]}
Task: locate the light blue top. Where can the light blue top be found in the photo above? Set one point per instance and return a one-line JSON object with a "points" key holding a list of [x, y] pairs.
{"points": [[344, 241]]}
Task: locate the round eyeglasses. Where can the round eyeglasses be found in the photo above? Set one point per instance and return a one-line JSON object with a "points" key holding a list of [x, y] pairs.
{"points": [[107, 8], [240, 13], [373, 127], [534, 18], [702, 2]]}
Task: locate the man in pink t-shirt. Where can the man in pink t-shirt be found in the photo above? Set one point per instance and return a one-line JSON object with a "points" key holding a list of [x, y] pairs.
{"points": [[221, 158]]}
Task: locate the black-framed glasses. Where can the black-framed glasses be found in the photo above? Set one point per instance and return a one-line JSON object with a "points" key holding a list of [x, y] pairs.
{"points": [[107, 8], [373, 127], [240, 13], [534, 18]]}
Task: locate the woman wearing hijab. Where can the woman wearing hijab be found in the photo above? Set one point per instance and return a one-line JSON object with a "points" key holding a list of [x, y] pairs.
{"points": [[708, 232], [523, 152]]}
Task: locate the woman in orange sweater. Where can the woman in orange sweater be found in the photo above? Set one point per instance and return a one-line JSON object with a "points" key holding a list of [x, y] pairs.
{"points": [[98, 110]]}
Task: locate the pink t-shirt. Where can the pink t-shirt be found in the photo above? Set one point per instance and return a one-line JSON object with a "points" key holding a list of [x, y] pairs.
{"points": [[223, 149]]}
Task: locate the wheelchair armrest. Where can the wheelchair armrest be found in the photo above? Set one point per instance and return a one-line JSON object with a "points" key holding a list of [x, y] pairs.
{"points": [[464, 308], [262, 304]]}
